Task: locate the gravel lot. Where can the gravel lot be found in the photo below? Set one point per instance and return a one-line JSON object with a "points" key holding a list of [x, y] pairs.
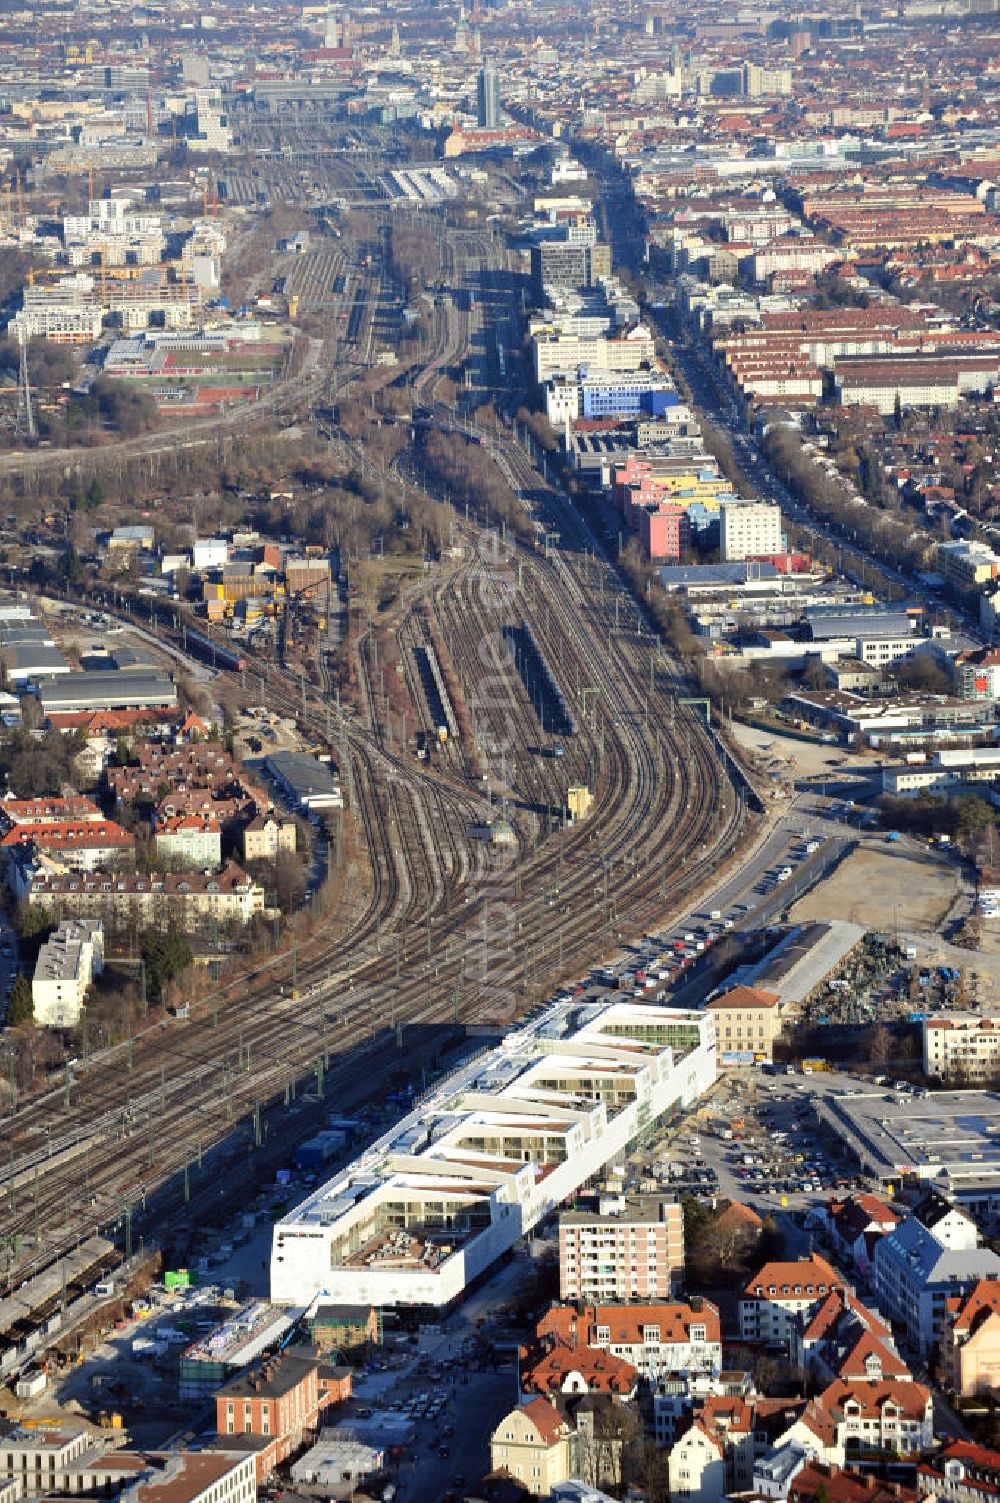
{"points": [[882, 886]]}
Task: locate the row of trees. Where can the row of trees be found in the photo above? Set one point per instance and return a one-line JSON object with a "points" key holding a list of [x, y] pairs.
{"points": [[891, 538], [469, 475], [966, 818]]}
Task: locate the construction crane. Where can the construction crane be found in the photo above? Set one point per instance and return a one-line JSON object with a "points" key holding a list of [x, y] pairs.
{"points": [[25, 425], [19, 190]]}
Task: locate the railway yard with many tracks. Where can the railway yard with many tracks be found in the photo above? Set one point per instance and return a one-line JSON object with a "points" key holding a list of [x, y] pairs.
{"points": [[437, 924]]}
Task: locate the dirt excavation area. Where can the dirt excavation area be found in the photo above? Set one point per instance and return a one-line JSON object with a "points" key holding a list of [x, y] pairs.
{"points": [[888, 887]]}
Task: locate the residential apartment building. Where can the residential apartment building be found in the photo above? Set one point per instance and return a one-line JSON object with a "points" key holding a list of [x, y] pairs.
{"points": [[266, 836], [844, 1340], [51, 811], [977, 674], [747, 1022], [760, 83], [67, 963], [579, 1370], [970, 1340], [887, 1417], [778, 1297], [749, 529], [532, 1444], [60, 323], [655, 1338], [184, 898], [278, 1403], [961, 1472], [939, 381], [917, 1270], [664, 531], [632, 1252], [697, 1467], [81, 846], [966, 565], [716, 1457], [856, 1224], [190, 840], [962, 1047], [819, 1483], [790, 253]]}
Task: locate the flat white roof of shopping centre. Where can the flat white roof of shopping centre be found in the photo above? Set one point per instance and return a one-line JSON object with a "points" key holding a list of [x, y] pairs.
{"points": [[492, 1149], [945, 1133]]}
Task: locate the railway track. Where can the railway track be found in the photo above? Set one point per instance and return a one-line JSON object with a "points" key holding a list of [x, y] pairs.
{"points": [[442, 927]]}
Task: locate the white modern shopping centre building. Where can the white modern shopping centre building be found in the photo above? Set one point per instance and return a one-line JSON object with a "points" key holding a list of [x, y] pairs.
{"points": [[487, 1156]]}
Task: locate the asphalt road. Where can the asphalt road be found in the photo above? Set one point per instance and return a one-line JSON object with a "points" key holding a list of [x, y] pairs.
{"points": [[750, 898], [475, 1401]]}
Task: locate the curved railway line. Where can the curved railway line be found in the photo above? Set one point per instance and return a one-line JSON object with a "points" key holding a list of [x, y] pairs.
{"points": [[441, 928]]}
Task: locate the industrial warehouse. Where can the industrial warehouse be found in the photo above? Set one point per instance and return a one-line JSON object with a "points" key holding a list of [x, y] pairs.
{"points": [[490, 1153], [948, 1140]]}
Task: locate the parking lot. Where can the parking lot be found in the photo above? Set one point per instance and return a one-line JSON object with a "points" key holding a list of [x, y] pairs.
{"points": [[755, 1140]]}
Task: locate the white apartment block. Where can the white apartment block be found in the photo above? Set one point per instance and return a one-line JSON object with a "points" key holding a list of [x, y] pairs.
{"points": [[633, 1252], [781, 1293], [793, 254], [67, 963], [939, 391], [916, 1271], [75, 323], [110, 216], [492, 1152], [878, 652], [962, 1046], [558, 352], [748, 528], [562, 402], [40, 1458]]}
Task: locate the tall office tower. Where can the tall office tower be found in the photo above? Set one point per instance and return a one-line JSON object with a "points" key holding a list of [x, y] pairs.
{"points": [[488, 97]]}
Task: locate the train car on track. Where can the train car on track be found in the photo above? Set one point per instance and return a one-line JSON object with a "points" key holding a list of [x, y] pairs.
{"points": [[213, 652]]}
